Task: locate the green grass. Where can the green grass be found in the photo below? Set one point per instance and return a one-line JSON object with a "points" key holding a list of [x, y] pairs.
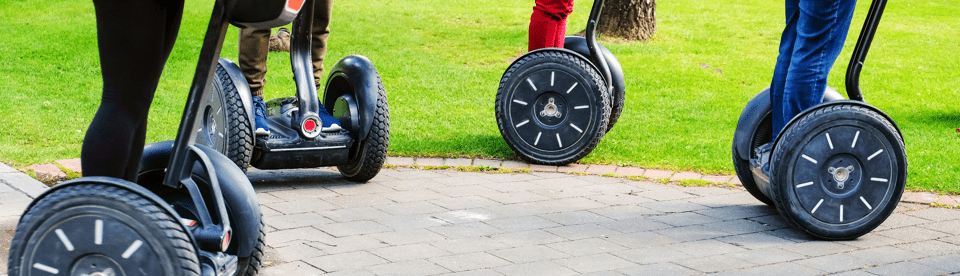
{"points": [[441, 62]]}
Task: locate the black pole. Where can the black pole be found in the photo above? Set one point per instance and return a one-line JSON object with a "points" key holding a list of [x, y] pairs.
{"points": [[863, 46], [594, 47], [302, 63]]}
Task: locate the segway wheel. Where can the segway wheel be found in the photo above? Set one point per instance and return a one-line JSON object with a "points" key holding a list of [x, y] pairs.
{"points": [[839, 170], [759, 131], [552, 107], [224, 123], [98, 229], [372, 152]]}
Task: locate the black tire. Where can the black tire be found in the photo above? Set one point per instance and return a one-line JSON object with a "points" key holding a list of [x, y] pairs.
{"points": [[250, 265], [579, 44], [135, 235], [224, 124], [762, 135], [372, 152], [839, 156], [562, 114]]}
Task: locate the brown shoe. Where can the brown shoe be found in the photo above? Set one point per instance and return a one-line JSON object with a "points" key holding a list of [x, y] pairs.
{"points": [[281, 41]]}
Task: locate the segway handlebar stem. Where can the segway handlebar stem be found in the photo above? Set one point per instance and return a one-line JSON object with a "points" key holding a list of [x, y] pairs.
{"points": [[591, 36], [870, 26], [302, 62]]}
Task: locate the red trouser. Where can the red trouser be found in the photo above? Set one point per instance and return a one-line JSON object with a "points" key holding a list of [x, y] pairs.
{"points": [[548, 23]]}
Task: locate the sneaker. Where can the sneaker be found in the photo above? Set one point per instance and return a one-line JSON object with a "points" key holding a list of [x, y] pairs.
{"points": [[260, 112], [328, 122]]}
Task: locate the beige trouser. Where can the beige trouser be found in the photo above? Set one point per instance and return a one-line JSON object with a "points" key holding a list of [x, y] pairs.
{"points": [[254, 44]]}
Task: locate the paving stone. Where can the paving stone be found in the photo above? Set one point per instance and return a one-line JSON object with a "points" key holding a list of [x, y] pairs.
{"points": [[466, 202], [718, 178], [581, 168], [47, 170], [949, 263], [596, 179], [25, 184], [514, 165], [435, 162], [302, 206], [912, 234], [666, 194], [528, 238], [345, 261], [351, 272], [736, 180], [683, 219], [711, 191], [755, 240], [818, 248], [408, 252], [906, 268], [775, 269], [582, 231], [486, 163], [922, 198], [461, 191], [775, 221], [296, 220], [461, 180], [739, 227], [624, 212], [400, 161], [637, 224], [469, 245], [948, 201], [407, 236], [900, 220], [12, 197], [411, 208], [888, 254], [568, 182], [576, 217], [348, 244], [416, 174], [361, 227], [793, 234], [543, 168], [601, 169], [517, 224], [292, 268], [834, 263], [363, 189], [657, 174], [354, 214], [413, 196], [710, 264], [660, 269], [768, 255], [651, 255], [935, 214], [870, 240], [706, 248], [629, 171], [465, 230], [594, 263], [680, 176], [457, 162], [355, 201], [304, 194], [529, 254], [71, 164], [296, 252], [479, 272], [737, 212], [641, 239], [304, 234], [469, 261], [692, 233], [546, 268], [413, 267], [586, 247]]}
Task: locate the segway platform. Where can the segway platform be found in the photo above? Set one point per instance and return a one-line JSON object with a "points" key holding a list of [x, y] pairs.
{"points": [[286, 148]]}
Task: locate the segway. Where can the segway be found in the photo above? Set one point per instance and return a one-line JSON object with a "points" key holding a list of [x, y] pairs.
{"points": [[192, 212], [354, 94], [838, 169], [554, 105]]}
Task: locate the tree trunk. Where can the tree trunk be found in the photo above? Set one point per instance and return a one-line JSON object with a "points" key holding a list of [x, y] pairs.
{"points": [[628, 19]]}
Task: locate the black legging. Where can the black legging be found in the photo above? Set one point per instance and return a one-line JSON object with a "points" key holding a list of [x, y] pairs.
{"points": [[135, 38]]}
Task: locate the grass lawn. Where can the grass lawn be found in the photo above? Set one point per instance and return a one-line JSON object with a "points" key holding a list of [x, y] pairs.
{"points": [[441, 61]]}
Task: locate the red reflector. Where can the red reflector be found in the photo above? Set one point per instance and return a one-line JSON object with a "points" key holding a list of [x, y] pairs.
{"points": [[226, 242], [294, 4], [310, 125]]}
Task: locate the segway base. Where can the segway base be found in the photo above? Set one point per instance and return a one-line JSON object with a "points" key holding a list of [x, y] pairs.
{"points": [[285, 148]]}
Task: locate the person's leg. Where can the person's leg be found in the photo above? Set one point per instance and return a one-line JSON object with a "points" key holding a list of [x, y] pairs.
{"points": [[134, 40], [322, 11], [548, 24], [821, 31], [562, 28], [254, 44], [787, 40]]}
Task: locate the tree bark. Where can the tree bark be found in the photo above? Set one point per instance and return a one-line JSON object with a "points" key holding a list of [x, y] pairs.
{"points": [[628, 19]]}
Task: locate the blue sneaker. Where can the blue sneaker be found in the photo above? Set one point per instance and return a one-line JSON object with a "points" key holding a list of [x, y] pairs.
{"points": [[260, 112], [328, 122]]}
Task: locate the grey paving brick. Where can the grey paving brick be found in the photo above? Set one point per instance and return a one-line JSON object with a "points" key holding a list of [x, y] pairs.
{"points": [[620, 199], [360, 189], [739, 227], [25, 184], [516, 224], [834, 263], [408, 252], [511, 186], [461, 191], [266, 198], [456, 162], [886, 254], [912, 234], [775, 221], [416, 174], [354, 214], [565, 205], [304, 234], [906, 268], [706, 248], [660, 269], [466, 202], [362, 200], [509, 177], [713, 263], [345, 261], [684, 219], [641, 239], [897, 220], [296, 220], [470, 245], [478, 272], [461, 216], [635, 225], [666, 194], [527, 238], [818, 248], [738, 212], [529, 254], [465, 230], [950, 226], [410, 222], [291, 268], [469, 261], [545, 268], [860, 272], [352, 228], [576, 217], [950, 263], [756, 240], [775, 269], [586, 247], [303, 206], [596, 179], [595, 263], [399, 161], [413, 267], [347, 244], [624, 212], [612, 188], [765, 256], [711, 191], [692, 233], [727, 200], [304, 194], [870, 240], [562, 183], [13, 196], [411, 208], [423, 161], [413, 196], [296, 252], [935, 214], [793, 234], [582, 231], [651, 255], [931, 248], [674, 206], [461, 179], [565, 192], [407, 236]]}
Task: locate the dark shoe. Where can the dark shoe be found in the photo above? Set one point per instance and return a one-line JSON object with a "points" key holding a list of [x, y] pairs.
{"points": [[260, 111], [328, 122]]}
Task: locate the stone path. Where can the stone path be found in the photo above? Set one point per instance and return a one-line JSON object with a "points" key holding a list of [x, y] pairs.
{"points": [[429, 222]]}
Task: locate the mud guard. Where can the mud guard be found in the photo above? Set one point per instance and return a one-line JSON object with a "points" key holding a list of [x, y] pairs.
{"points": [[355, 77]]}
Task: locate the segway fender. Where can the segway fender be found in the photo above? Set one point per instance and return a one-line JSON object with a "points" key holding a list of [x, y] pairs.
{"points": [[240, 82], [758, 108], [579, 44], [122, 184], [354, 75], [238, 194]]}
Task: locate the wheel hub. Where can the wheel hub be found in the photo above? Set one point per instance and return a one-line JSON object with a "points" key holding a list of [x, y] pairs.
{"points": [[550, 108], [96, 265], [843, 175]]}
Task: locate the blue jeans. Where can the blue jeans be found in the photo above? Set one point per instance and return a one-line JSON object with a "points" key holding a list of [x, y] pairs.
{"points": [[810, 44]]}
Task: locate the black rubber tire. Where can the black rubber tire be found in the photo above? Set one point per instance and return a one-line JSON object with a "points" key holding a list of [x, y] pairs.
{"points": [[880, 157], [224, 123], [761, 136], [597, 100], [250, 265], [123, 216], [372, 152]]}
